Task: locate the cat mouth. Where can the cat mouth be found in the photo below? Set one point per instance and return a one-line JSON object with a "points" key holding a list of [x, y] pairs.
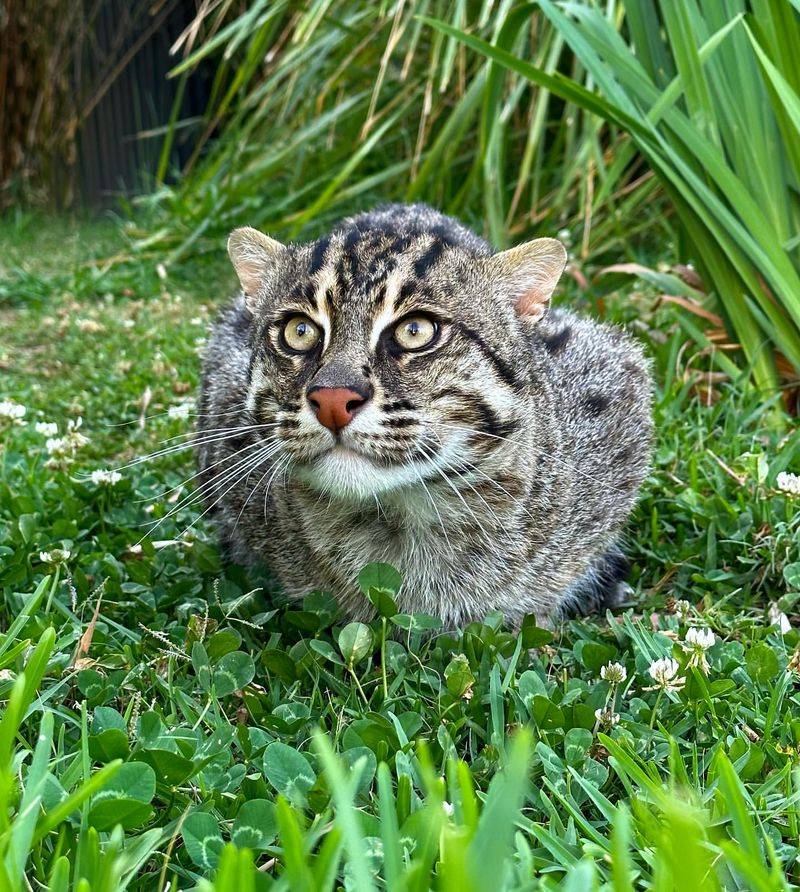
{"points": [[350, 453], [350, 472]]}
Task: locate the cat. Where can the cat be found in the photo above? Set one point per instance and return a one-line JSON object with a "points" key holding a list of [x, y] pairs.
{"points": [[396, 391]]}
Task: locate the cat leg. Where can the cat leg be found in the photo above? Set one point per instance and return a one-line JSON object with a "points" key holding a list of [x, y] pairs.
{"points": [[602, 587]]}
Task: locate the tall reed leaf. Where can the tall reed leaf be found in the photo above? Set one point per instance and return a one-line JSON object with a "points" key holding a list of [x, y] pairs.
{"points": [[719, 158], [350, 103]]}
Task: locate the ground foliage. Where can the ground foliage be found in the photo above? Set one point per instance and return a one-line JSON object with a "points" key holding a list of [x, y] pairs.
{"points": [[168, 719]]}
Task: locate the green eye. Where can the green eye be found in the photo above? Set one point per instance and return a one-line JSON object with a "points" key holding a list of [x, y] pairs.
{"points": [[415, 332], [301, 334]]}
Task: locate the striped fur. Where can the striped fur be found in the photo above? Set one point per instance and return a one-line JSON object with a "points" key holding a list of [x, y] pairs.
{"points": [[494, 470]]}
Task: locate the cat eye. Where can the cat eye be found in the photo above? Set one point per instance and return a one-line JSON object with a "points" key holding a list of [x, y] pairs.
{"points": [[416, 332], [300, 334]]}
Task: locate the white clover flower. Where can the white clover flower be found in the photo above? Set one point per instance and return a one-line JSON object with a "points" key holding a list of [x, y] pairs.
{"points": [[682, 609], [62, 449], [789, 483], [73, 437], [106, 478], [13, 411], [700, 639], [46, 428], [76, 438], [614, 673], [606, 717], [696, 643], [58, 446], [56, 556], [778, 618], [181, 411], [664, 673]]}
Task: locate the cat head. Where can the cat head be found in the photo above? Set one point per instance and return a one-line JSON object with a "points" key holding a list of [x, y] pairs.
{"points": [[382, 359]]}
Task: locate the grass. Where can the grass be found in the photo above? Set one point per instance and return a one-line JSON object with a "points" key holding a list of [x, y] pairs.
{"points": [[168, 722]]}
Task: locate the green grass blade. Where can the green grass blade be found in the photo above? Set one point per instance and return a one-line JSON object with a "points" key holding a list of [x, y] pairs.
{"points": [[495, 831], [392, 851], [30, 607], [345, 815]]}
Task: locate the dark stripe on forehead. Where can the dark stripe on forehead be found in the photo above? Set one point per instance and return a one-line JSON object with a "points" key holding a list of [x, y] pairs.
{"points": [[400, 244], [377, 267], [318, 255], [304, 294], [351, 239], [445, 234], [501, 367], [379, 294], [431, 255], [407, 290], [345, 268], [376, 270], [310, 295]]}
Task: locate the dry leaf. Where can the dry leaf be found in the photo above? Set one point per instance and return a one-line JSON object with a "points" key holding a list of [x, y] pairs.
{"points": [[86, 639], [693, 307]]}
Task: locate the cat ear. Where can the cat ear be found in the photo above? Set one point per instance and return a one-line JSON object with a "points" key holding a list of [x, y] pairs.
{"points": [[252, 253], [532, 271]]}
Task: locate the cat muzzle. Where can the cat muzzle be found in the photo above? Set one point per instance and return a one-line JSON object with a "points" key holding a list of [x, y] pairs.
{"points": [[336, 407]]}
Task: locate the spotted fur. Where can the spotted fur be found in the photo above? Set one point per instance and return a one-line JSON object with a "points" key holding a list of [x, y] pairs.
{"points": [[494, 470]]}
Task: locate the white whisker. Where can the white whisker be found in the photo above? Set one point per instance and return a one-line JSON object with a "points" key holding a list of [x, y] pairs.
{"points": [[253, 491], [455, 489], [434, 506], [217, 481], [174, 449], [272, 438], [469, 466], [221, 430], [252, 462], [531, 446], [167, 411]]}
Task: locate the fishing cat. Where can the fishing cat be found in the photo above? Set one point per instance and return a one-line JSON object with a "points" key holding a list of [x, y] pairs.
{"points": [[396, 391]]}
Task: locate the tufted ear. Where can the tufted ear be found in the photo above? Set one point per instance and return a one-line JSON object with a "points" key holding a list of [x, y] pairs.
{"points": [[531, 271], [252, 253]]}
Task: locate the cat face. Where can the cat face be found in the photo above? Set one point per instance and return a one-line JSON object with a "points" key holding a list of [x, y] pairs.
{"points": [[381, 360]]}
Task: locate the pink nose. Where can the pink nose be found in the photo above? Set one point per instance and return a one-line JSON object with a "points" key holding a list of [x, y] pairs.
{"points": [[335, 407]]}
